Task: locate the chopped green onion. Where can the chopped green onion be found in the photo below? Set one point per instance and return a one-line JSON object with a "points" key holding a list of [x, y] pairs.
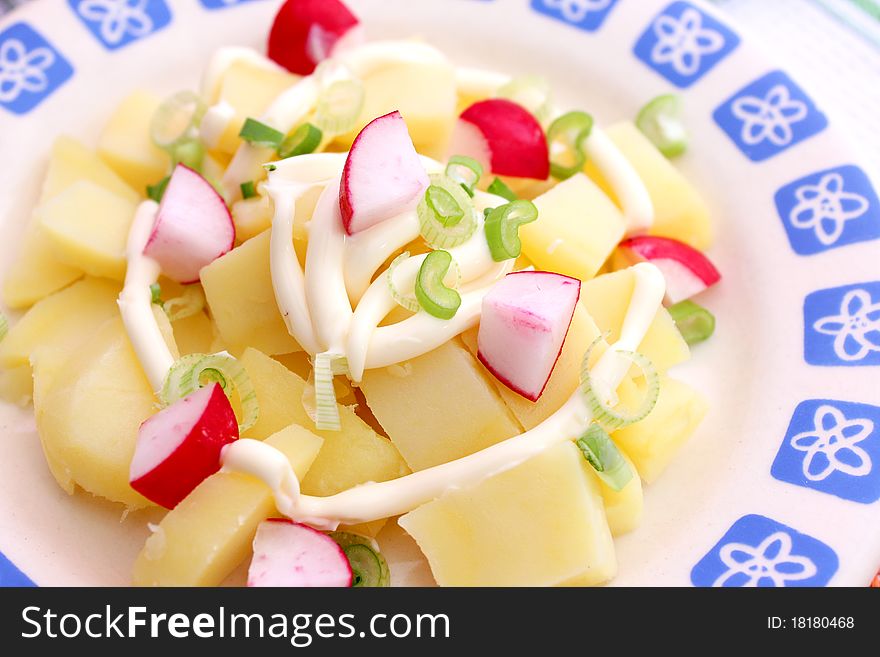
{"points": [[196, 370], [433, 295], [259, 134], [406, 301], [568, 133], [502, 228], [4, 325], [500, 188], [304, 140], [532, 92], [610, 418], [439, 220], [248, 189], [326, 409], [339, 106], [694, 322], [189, 153], [466, 171], [269, 167], [191, 302], [601, 452], [156, 294], [368, 566], [661, 122], [177, 120], [157, 191]]}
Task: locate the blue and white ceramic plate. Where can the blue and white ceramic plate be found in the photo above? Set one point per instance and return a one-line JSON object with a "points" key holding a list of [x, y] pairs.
{"points": [[781, 485]]}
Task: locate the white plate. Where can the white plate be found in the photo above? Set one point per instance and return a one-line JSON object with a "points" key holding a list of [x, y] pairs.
{"points": [[736, 496]]}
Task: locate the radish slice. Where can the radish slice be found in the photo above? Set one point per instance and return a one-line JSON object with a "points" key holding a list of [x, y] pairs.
{"points": [[193, 227], [306, 32], [289, 554], [503, 137], [523, 325], [383, 174], [686, 270], [179, 447]]}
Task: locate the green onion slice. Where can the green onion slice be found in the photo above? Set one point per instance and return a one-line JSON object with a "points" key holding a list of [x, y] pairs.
{"points": [[500, 188], [466, 171], [566, 137], [157, 191], [327, 364], [259, 134], [340, 101], [601, 452], [189, 303], [446, 213], [433, 295], [695, 323], [406, 301], [156, 294], [4, 325], [196, 370], [177, 120], [502, 228], [189, 153], [368, 566], [302, 141], [532, 92], [616, 418], [248, 189], [661, 122]]}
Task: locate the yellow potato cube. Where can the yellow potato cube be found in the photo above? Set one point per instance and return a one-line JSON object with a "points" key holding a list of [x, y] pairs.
{"points": [[37, 273], [251, 217], [679, 210], [17, 385], [73, 162], [194, 334], [203, 539], [540, 524], [653, 442], [607, 300], [352, 456], [238, 287], [577, 229], [623, 507], [438, 407], [87, 226], [423, 93], [126, 146]]}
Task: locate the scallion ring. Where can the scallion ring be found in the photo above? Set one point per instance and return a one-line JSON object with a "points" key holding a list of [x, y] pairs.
{"points": [[502, 228], [339, 106], [405, 301], [156, 294], [302, 141], [466, 171], [4, 325], [661, 122], [261, 135], [446, 213], [433, 295], [326, 408], [177, 120], [532, 92], [248, 189], [193, 371], [368, 566], [499, 188], [565, 138], [611, 418], [157, 191], [189, 303], [189, 153], [695, 323], [601, 452]]}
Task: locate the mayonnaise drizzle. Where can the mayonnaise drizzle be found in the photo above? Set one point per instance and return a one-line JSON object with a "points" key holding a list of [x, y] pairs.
{"points": [[135, 300], [374, 501]]}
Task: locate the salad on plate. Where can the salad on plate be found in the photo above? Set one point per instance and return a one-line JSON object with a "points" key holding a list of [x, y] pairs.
{"points": [[349, 284]]}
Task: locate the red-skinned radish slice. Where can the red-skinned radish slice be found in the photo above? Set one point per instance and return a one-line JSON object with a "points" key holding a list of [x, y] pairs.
{"points": [[504, 137], [383, 175], [179, 447], [686, 270], [524, 321], [287, 553], [306, 32], [193, 227]]}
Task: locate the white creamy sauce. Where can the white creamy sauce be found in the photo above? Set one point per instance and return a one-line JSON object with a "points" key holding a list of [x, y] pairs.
{"points": [[214, 123]]}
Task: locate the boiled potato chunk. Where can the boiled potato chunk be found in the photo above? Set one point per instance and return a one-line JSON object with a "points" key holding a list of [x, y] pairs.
{"points": [[352, 456], [251, 217], [578, 227], [87, 226], [652, 443], [194, 334], [37, 273], [73, 162], [203, 539], [239, 290], [679, 210], [125, 142], [89, 415], [438, 407], [17, 385], [540, 524], [607, 299], [623, 507], [424, 94]]}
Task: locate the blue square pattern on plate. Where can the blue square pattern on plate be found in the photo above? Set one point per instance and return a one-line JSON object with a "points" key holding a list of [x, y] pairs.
{"points": [[683, 43], [30, 68], [587, 15], [12, 576], [768, 116], [829, 209], [223, 4], [842, 325], [758, 551], [117, 23], [833, 447]]}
